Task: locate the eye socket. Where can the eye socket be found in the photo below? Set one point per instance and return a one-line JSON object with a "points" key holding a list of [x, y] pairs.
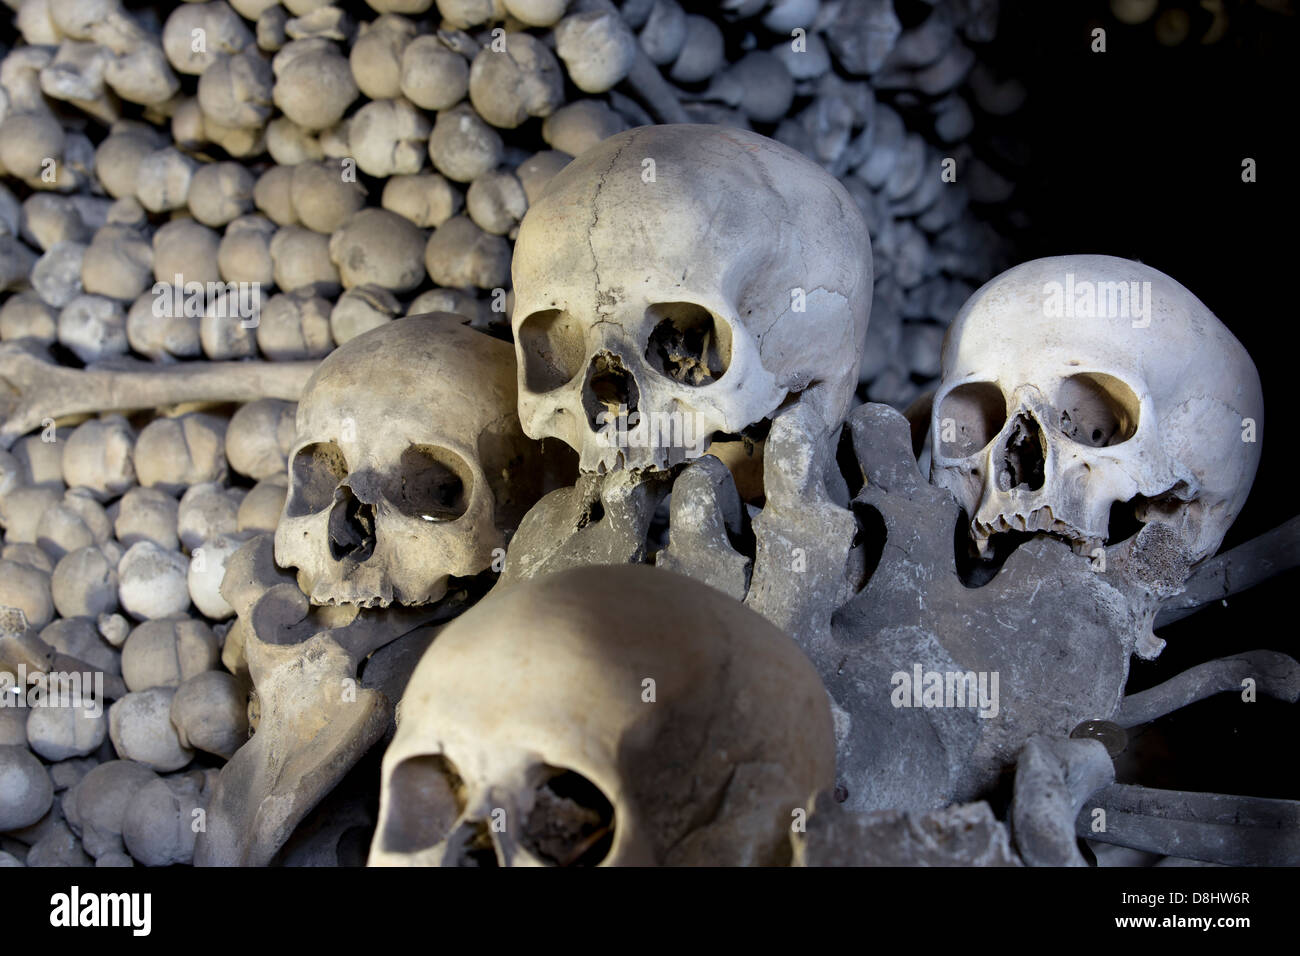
{"points": [[571, 823], [1097, 410], [432, 483], [969, 417], [554, 349], [426, 798], [688, 344], [315, 472]]}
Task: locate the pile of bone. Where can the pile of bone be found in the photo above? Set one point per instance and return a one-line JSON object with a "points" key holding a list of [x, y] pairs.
{"points": [[348, 172], [115, 545], [363, 170]]}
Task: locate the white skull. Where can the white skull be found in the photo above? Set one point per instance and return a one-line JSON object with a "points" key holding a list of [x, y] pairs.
{"points": [[609, 714], [408, 466], [691, 274], [1075, 383]]}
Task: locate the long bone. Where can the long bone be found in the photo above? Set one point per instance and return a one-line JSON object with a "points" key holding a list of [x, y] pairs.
{"points": [[33, 389], [1054, 777], [1211, 827], [1276, 675], [1234, 571], [316, 719]]}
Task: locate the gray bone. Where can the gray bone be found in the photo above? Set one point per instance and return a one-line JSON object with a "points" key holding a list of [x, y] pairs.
{"points": [[1275, 674], [1054, 777], [1234, 571], [1212, 827]]}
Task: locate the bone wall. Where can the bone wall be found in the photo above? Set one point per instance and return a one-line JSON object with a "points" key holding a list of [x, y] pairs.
{"points": [[215, 182]]}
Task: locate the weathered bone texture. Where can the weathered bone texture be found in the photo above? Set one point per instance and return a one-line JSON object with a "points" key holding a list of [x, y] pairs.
{"points": [[1074, 383], [314, 721], [1234, 571], [705, 274], [409, 466], [705, 517], [1045, 604], [804, 558], [708, 336], [960, 835], [33, 389], [22, 646], [336, 833], [602, 519], [1213, 827], [1053, 779], [797, 571], [409, 470], [880, 104], [875, 591], [531, 729]]}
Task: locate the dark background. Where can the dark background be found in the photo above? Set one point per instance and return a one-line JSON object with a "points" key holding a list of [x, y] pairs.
{"points": [[1137, 152]]}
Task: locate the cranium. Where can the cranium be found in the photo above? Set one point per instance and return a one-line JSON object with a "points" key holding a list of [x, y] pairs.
{"points": [[538, 730], [691, 278], [1075, 383], [408, 467]]}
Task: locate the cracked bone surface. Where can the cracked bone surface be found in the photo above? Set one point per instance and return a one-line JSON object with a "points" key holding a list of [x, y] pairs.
{"points": [[1075, 383], [409, 466], [736, 275], [33, 388], [525, 736]]}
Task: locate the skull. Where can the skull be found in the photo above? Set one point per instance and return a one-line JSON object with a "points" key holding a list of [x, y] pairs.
{"points": [[1077, 383], [408, 467], [682, 281], [545, 727]]}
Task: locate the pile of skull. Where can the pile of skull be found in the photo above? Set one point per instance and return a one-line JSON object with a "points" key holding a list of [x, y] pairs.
{"points": [[321, 166], [145, 137], [138, 513], [740, 633]]}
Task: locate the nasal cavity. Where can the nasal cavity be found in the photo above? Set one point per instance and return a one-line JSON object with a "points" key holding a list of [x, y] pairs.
{"points": [[1023, 456], [472, 845], [610, 390], [352, 527]]}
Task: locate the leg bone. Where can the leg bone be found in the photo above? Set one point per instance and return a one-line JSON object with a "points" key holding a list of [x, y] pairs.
{"points": [[1234, 571], [1054, 777], [33, 389], [1212, 827], [1275, 675], [316, 719]]}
